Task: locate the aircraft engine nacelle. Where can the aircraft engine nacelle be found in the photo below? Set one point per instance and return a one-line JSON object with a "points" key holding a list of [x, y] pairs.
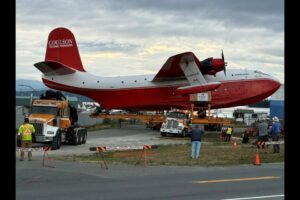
{"points": [[212, 65]]}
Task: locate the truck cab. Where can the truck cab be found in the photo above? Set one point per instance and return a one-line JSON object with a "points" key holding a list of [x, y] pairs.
{"points": [[176, 122]]}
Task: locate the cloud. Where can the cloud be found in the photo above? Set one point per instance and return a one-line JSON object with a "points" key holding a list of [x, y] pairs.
{"points": [[139, 35]]}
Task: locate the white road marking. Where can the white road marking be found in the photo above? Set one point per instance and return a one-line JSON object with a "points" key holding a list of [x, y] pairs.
{"points": [[237, 179], [258, 197]]}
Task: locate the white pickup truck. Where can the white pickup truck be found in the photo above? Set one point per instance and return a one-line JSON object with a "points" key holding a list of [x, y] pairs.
{"points": [[177, 122]]}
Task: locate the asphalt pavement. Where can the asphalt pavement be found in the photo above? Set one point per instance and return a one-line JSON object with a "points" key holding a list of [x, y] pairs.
{"points": [[74, 180]]}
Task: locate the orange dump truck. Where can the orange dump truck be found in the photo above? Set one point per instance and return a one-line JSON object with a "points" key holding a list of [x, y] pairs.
{"points": [[54, 120]]}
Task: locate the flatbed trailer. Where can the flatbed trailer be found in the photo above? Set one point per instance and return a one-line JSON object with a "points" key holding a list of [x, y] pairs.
{"points": [[154, 121]]}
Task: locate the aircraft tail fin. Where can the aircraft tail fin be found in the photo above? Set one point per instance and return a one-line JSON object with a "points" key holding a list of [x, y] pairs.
{"points": [[62, 48]]}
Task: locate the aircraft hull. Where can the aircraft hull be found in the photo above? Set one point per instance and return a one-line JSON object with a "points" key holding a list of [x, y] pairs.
{"points": [[229, 94]]}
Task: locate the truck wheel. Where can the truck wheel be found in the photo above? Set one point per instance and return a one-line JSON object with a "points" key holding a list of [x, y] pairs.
{"points": [[184, 132], [56, 141], [79, 136], [162, 133], [84, 138], [74, 139]]}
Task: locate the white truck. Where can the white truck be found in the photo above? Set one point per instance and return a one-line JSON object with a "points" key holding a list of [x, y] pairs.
{"points": [[176, 122]]}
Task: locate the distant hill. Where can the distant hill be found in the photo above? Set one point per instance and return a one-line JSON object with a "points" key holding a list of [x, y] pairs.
{"points": [[40, 88], [261, 104], [26, 85]]}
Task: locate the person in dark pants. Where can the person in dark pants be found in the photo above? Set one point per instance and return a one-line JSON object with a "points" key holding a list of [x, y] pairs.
{"points": [[263, 133], [196, 141], [229, 133], [245, 137], [276, 129]]}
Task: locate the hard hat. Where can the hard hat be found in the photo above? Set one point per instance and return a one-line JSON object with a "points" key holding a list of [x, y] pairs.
{"points": [[275, 119]]}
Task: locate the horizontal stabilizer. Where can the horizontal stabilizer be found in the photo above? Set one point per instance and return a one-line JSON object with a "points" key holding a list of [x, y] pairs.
{"points": [[50, 68], [197, 88]]}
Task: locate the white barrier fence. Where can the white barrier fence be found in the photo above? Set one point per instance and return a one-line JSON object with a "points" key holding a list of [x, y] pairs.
{"points": [[275, 142], [122, 148]]}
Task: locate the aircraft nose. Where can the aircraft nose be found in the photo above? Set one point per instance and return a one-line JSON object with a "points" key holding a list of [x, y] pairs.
{"points": [[274, 84]]}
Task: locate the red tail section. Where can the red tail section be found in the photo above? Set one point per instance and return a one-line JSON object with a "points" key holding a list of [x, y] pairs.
{"points": [[62, 48]]}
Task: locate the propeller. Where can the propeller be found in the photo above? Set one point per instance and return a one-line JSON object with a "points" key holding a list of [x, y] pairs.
{"points": [[225, 63]]}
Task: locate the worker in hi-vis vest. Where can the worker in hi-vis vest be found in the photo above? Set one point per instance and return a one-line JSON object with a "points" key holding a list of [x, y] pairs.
{"points": [[229, 133], [26, 130]]}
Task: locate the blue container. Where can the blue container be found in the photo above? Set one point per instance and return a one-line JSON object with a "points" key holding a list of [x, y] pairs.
{"points": [[277, 109]]}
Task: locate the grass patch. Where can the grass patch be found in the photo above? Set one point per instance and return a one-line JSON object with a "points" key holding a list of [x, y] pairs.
{"points": [[215, 153]]}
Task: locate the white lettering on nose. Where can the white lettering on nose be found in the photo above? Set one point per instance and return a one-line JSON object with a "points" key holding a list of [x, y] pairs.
{"points": [[60, 43]]}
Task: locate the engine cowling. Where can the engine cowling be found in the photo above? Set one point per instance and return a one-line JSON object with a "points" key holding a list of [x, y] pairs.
{"points": [[213, 65]]}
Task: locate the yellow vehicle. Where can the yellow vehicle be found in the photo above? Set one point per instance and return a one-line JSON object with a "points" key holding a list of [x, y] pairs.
{"points": [[54, 120]]}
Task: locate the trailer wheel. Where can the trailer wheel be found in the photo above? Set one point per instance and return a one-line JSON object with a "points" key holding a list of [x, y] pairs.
{"points": [[56, 141]]}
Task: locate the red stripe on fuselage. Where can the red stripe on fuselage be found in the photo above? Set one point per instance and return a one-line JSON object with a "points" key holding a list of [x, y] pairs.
{"points": [[230, 93]]}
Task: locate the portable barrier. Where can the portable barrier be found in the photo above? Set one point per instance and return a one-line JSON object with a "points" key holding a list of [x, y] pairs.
{"points": [[47, 160], [143, 156], [275, 142], [30, 149]]}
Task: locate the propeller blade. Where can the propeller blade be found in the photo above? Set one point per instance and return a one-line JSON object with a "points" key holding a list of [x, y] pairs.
{"points": [[222, 55], [225, 63]]}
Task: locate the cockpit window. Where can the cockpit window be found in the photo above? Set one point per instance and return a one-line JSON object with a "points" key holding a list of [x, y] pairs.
{"points": [[44, 110], [259, 72], [179, 115]]}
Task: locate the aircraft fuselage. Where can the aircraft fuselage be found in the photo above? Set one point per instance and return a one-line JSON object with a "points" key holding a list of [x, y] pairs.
{"points": [[238, 87]]}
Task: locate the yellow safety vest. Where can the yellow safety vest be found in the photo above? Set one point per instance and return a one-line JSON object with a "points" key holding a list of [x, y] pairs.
{"points": [[26, 131], [229, 131]]}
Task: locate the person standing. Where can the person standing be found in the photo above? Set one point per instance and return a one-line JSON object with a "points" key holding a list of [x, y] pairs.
{"points": [[262, 132], [229, 133], [25, 131], [196, 141], [276, 129]]}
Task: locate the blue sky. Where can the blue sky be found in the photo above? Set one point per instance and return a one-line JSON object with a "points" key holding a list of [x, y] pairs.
{"points": [[131, 37]]}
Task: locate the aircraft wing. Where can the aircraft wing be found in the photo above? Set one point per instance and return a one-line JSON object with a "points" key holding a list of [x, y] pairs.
{"points": [[185, 65], [49, 68], [171, 69]]}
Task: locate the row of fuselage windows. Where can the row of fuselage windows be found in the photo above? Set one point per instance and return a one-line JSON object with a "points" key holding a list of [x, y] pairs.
{"points": [[145, 79]]}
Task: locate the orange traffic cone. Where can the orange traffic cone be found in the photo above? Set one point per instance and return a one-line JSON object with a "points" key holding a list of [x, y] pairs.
{"points": [[234, 144], [257, 159]]}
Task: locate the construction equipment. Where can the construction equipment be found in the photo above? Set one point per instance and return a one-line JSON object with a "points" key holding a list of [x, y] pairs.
{"points": [[54, 120]]}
